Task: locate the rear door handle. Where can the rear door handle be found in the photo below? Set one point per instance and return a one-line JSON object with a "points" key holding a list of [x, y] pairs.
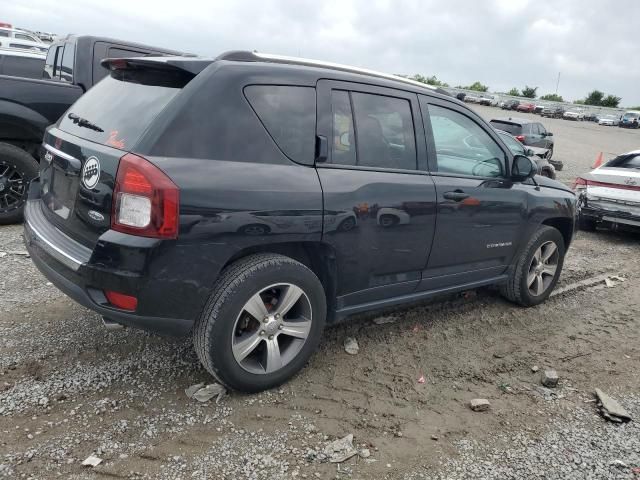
{"points": [[456, 196]]}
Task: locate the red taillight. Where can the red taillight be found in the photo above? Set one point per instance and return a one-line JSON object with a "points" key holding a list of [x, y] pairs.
{"points": [[145, 200], [118, 64], [120, 300], [579, 183], [520, 138]]}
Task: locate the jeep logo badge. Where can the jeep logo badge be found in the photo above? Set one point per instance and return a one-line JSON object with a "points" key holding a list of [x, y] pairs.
{"points": [[97, 216], [91, 172]]}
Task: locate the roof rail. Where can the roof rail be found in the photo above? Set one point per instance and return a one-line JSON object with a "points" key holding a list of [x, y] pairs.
{"points": [[246, 56]]}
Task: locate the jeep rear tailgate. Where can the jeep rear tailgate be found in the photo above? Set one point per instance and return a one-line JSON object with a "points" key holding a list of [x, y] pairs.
{"points": [[81, 154]]}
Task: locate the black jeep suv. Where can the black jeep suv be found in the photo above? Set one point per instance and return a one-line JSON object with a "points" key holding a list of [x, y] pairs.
{"points": [[253, 199]]}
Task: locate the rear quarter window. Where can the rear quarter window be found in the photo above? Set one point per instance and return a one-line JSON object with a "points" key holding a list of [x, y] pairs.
{"points": [[512, 128], [288, 113]]}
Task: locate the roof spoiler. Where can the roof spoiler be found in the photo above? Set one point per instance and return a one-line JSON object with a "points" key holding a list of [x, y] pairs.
{"points": [[192, 65]]}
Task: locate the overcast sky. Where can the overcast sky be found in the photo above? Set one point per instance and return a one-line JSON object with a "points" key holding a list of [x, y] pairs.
{"points": [[502, 43]]}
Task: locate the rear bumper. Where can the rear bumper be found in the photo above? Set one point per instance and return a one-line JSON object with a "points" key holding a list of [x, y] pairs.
{"points": [[610, 217], [72, 268]]}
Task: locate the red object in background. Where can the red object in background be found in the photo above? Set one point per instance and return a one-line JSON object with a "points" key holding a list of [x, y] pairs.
{"points": [[520, 138], [5, 25], [598, 161], [526, 107]]}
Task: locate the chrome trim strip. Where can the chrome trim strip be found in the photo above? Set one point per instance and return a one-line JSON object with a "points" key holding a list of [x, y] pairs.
{"points": [[60, 154], [51, 248], [55, 251], [341, 67]]}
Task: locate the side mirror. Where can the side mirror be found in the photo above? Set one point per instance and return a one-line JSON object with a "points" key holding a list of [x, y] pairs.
{"points": [[549, 134], [528, 152], [523, 168]]}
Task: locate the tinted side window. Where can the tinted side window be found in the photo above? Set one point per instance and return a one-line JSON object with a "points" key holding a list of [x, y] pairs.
{"points": [[514, 145], [66, 72], [289, 115], [462, 146], [115, 52], [343, 150], [541, 129], [4, 33], [512, 128], [49, 62], [58, 65], [22, 67], [384, 131]]}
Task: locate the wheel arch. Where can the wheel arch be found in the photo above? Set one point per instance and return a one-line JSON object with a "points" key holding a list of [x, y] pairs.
{"points": [[564, 225], [319, 257]]}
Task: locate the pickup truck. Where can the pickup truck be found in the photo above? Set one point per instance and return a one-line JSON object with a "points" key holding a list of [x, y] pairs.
{"points": [[28, 106]]}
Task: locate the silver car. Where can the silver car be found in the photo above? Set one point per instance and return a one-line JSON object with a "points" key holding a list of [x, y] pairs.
{"points": [[610, 194]]}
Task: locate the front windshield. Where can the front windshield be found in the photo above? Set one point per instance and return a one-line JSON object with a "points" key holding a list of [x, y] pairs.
{"points": [[631, 115]]}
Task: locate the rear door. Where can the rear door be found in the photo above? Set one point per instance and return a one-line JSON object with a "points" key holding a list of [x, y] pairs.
{"points": [[479, 213], [379, 207], [535, 138], [81, 153]]}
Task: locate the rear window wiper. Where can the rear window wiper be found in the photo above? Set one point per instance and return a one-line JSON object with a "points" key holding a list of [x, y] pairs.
{"points": [[83, 122]]}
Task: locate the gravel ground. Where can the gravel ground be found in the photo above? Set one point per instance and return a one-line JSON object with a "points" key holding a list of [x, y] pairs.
{"points": [[70, 389]]}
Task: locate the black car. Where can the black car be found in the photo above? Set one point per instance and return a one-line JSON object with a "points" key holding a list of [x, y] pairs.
{"points": [[252, 199], [510, 105], [554, 111], [591, 117], [528, 132]]}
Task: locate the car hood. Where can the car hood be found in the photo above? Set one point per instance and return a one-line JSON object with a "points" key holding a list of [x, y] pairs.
{"points": [[538, 150], [549, 183]]}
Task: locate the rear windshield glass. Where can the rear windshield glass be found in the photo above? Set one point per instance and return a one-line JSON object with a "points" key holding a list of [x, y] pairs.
{"points": [[625, 161], [512, 128], [121, 107]]}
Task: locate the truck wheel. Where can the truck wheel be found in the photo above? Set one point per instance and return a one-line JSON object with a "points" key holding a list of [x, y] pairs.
{"points": [[535, 274], [262, 322], [17, 169]]}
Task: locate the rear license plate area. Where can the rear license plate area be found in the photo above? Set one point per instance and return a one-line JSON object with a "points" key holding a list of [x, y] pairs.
{"points": [[63, 192]]}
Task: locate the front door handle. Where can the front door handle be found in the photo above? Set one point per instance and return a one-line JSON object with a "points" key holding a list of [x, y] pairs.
{"points": [[456, 196]]}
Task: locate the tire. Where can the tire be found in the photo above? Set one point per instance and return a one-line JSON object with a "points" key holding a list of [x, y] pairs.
{"points": [[17, 169], [547, 172], [550, 153], [388, 220], [347, 224], [517, 288], [218, 328], [586, 224]]}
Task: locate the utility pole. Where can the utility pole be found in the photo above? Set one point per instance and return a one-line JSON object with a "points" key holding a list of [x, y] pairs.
{"points": [[558, 83]]}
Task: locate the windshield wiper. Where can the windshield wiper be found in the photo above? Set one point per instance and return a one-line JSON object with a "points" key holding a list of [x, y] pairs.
{"points": [[83, 122]]}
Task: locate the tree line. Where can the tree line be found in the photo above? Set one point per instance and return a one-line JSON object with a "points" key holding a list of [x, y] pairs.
{"points": [[595, 98]]}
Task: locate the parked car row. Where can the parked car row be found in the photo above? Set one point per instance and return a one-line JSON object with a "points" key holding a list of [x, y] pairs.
{"points": [[20, 39]]}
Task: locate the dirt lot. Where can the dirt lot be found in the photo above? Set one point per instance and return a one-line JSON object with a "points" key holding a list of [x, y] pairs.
{"points": [[69, 389]]}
